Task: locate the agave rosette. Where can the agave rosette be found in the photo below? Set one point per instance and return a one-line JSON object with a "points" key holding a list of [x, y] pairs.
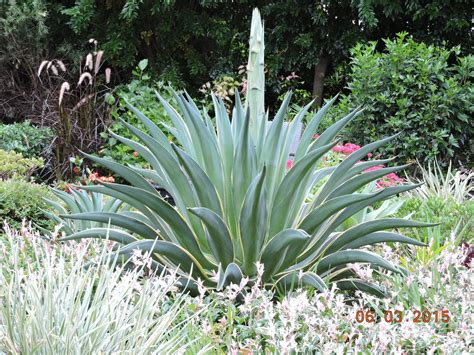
{"points": [[236, 202]]}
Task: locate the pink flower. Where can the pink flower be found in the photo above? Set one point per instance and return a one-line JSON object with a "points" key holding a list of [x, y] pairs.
{"points": [[94, 176], [289, 164], [350, 148], [338, 149], [316, 136], [347, 148]]}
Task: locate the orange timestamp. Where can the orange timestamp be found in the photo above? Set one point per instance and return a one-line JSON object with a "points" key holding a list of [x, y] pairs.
{"points": [[397, 316]]}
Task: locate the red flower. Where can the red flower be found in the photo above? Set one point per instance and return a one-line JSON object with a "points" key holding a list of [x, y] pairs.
{"points": [[316, 136], [289, 164], [135, 154]]}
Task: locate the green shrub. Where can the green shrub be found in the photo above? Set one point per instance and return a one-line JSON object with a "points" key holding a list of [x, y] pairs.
{"points": [[13, 165], [412, 88], [26, 139], [23, 200], [141, 91], [450, 214]]}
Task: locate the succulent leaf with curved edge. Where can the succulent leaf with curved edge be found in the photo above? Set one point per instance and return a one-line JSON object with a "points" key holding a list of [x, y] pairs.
{"points": [[80, 201], [236, 202]]}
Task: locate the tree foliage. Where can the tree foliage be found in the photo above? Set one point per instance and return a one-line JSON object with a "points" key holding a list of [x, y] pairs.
{"points": [[190, 42]]}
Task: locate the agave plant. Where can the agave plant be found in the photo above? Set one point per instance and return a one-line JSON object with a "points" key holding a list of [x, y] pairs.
{"points": [[237, 204], [81, 201]]}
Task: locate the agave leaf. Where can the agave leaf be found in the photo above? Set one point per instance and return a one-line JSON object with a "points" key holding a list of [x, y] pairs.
{"points": [[128, 174], [182, 132], [155, 132], [232, 274], [274, 140], [311, 129], [363, 229], [224, 137], [113, 205], [116, 235], [65, 227], [333, 130], [144, 152], [84, 203], [130, 200], [140, 148], [57, 206], [219, 239], [139, 217], [178, 256], [245, 164], [181, 231], [329, 208], [362, 166], [312, 253], [226, 151], [253, 222], [384, 195], [382, 237], [336, 178], [357, 182], [238, 117], [203, 186], [294, 129], [116, 220], [291, 193], [201, 136], [354, 284], [344, 257], [70, 202], [176, 181], [274, 256], [187, 284], [289, 281]]}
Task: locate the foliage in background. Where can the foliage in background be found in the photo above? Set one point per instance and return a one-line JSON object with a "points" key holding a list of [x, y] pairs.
{"points": [[455, 184], [224, 87], [310, 38], [140, 92], [13, 165], [414, 89], [21, 200], [24, 138], [23, 42], [76, 108], [445, 198]]}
